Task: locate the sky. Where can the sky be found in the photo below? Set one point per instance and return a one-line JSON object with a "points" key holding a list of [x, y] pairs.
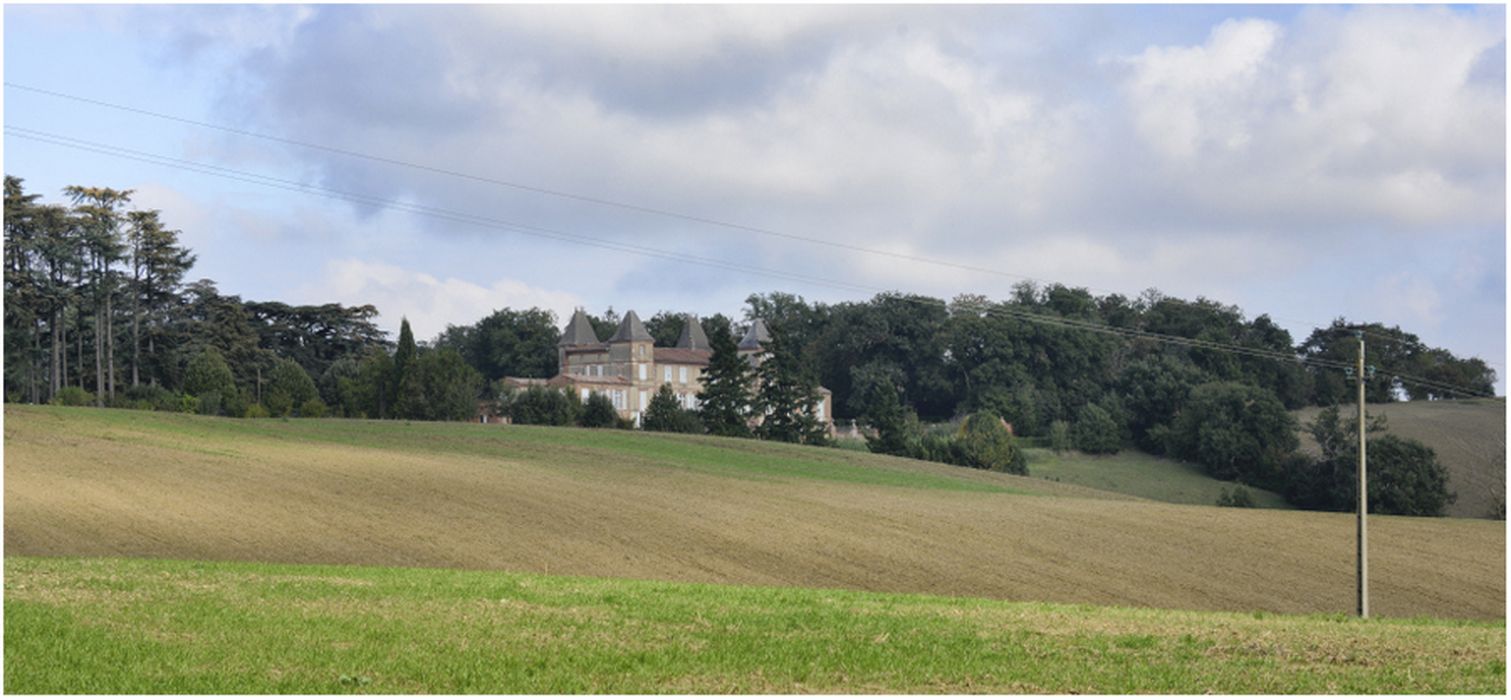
{"points": [[1308, 162]]}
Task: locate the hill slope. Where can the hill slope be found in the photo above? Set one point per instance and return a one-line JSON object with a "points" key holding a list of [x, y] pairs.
{"points": [[1469, 436], [1140, 474], [88, 482], [142, 626]]}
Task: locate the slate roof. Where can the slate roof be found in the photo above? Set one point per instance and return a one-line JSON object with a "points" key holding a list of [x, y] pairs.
{"points": [[755, 336], [579, 331], [630, 329], [693, 337]]}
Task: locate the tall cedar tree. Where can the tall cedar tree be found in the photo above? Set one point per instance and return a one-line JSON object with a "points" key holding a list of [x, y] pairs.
{"points": [[158, 265], [786, 396], [23, 291], [101, 209], [724, 403]]}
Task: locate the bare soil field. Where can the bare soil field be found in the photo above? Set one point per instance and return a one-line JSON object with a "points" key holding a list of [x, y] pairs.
{"points": [[89, 482], [1469, 436]]}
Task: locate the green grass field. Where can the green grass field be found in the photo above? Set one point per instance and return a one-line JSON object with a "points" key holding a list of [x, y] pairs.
{"points": [[149, 626], [1136, 473]]}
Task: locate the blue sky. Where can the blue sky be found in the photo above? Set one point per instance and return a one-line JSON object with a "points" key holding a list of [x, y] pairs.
{"points": [[1307, 162]]}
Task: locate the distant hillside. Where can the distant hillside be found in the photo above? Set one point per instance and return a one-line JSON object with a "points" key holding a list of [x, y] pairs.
{"points": [[1469, 436], [108, 483]]}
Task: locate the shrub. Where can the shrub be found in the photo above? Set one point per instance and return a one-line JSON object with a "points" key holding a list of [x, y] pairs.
{"points": [[897, 429], [257, 410], [1096, 432], [1238, 497], [155, 396], [188, 404], [73, 396], [665, 415], [209, 403], [1059, 437], [207, 372], [235, 405], [598, 412], [985, 443], [120, 401], [313, 408], [852, 444], [289, 386], [540, 405]]}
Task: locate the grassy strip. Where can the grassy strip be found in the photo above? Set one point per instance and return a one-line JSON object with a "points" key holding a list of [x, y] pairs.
{"points": [[1139, 474], [144, 626]]}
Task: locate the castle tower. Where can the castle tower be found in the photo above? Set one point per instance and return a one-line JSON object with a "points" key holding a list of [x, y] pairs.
{"points": [[693, 337], [631, 350], [578, 332], [751, 347]]}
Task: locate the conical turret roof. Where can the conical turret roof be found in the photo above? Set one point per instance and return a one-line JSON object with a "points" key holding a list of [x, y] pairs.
{"points": [[630, 329], [579, 331], [756, 336], [693, 337]]}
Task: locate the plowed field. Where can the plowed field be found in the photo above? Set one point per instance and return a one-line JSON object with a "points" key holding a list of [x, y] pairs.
{"points": [[89, 482]]}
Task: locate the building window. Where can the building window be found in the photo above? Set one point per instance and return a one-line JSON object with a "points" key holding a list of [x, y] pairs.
{"points": [[644, 398], [682, 375], [584, 394], [666, 373], [642, 372]]}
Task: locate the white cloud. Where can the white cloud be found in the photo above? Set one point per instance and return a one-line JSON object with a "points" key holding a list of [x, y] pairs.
{"points": [[430, 303], [1185, 98], [1346, 118], [1412, 298], [1244, 154]]}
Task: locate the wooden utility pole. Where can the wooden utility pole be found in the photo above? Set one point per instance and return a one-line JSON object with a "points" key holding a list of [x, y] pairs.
{"points": [[1363, 491]]}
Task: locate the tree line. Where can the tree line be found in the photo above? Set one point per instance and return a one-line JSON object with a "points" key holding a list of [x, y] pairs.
{"points": [[98, 311]]}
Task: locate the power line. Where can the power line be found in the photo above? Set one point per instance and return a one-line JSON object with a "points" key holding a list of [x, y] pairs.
{"points": [[254, 178], [588, 198], [489, 222]]}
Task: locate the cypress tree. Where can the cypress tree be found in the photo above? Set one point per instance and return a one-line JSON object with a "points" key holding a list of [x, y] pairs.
{"points": [[403, 362], [724, 403]]}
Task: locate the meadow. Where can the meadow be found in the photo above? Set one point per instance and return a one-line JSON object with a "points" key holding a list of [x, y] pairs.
{"points": [[1140, 474], [1469, 437], [101, 483], [149, 626]]}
